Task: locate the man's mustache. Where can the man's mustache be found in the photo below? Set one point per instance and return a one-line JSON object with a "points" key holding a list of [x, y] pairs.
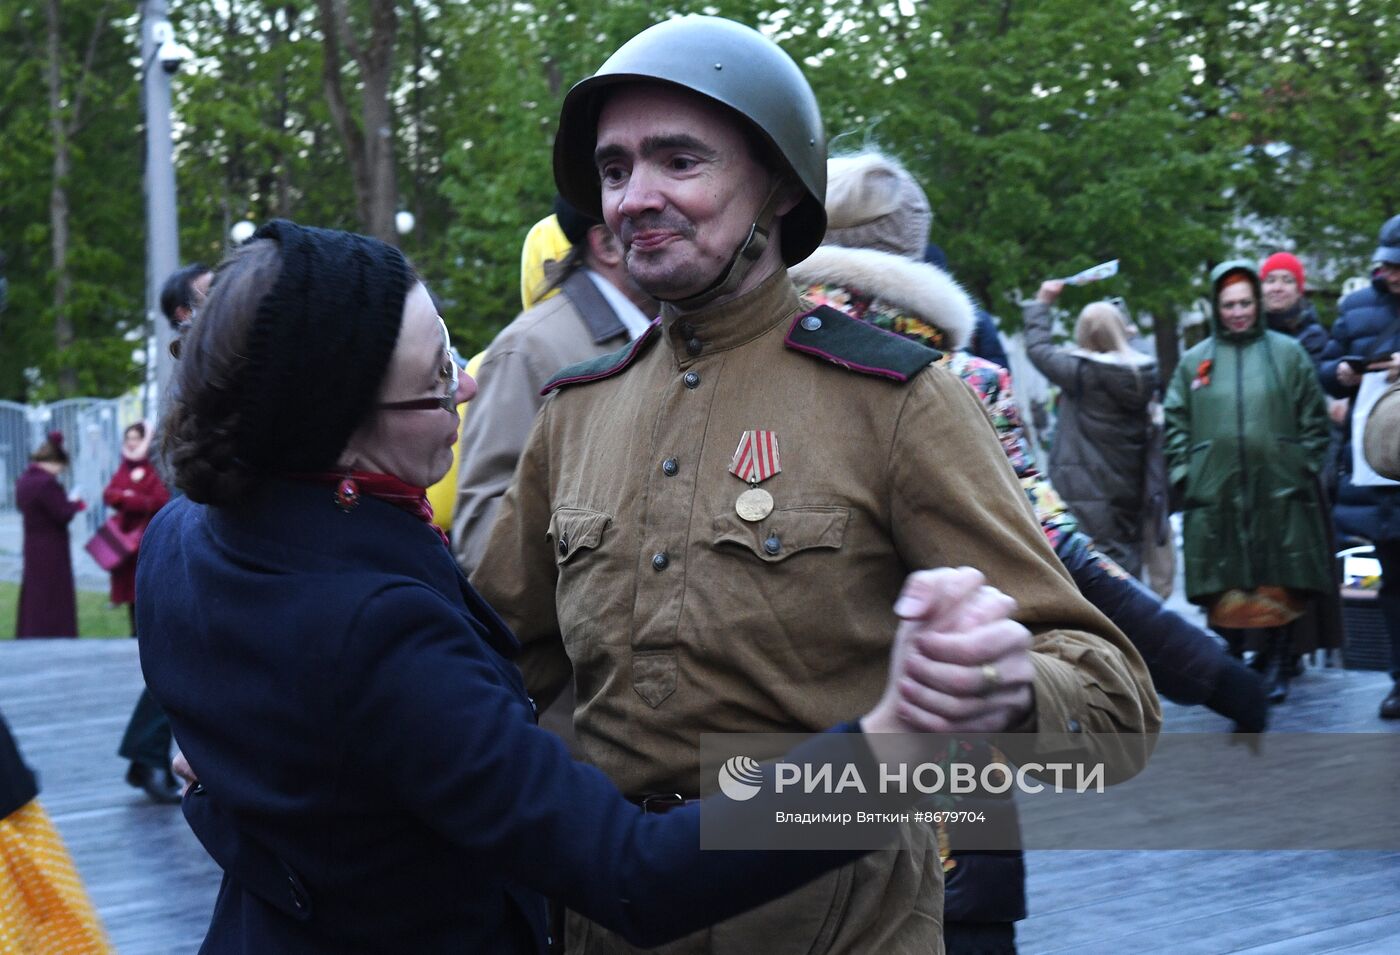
{"points": [[656, 222]]}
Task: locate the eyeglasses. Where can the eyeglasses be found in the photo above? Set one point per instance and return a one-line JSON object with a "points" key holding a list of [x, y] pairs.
{"points": [[449, 377]]}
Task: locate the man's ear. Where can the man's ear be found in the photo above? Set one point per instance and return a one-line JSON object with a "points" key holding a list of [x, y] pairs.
{"points": [[603, 247], [790, 193]]}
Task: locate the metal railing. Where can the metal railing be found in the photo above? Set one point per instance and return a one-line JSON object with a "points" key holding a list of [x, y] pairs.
{"points": [[92, 434]]}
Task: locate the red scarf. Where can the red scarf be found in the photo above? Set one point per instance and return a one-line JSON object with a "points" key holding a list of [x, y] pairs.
{"points": [[349, 485]]}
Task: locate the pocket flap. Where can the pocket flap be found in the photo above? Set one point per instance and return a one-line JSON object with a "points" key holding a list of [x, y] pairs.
{"points": [[572, 529], [787, 531]]}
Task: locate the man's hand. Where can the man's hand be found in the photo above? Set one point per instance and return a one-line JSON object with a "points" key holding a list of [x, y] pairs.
{"points": [[1049, 291], [1391, 366], [959, 663]]}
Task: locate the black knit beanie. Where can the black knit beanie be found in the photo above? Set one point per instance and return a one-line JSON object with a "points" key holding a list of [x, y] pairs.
{"points": [[319, 346], [573, 223]]}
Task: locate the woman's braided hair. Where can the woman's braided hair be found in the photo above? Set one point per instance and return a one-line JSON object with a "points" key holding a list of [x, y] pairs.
{"points": [[206, 414]]}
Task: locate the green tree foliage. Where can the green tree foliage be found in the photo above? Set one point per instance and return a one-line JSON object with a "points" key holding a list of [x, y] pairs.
{"points": [[1049, 135], [1326, 85], [104, 294]]}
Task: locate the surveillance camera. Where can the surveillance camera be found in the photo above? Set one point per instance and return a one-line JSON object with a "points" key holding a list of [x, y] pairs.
{"points": [[171, 55]]}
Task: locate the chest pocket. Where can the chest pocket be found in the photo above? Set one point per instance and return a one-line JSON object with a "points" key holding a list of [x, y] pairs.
{"points": [[785, 532], [574, 530]]}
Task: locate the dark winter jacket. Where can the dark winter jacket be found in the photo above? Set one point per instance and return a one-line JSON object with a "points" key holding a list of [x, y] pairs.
{"points": [[17, 783], [1367, 325], [371, 778], [1098, 460], [1300, 323], [1246, 435]]}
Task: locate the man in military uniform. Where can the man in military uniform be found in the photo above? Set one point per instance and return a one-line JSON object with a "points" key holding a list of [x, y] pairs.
{"points": [[725, 509]]}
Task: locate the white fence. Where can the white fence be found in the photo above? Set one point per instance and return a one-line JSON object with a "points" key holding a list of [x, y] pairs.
{"points": [[92, 434]]}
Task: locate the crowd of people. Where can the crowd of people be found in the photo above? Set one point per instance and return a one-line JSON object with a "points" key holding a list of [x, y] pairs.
{"points": [[356, 693]]}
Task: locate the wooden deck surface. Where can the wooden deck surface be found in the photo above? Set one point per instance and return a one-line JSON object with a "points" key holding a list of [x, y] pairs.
{"points": [[68, 702]]}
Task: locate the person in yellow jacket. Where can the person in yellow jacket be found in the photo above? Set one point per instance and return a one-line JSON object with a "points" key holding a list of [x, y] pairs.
{"points": [[44, 909], [545, 242]]}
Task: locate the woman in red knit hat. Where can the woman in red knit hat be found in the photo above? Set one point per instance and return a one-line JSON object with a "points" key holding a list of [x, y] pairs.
{"points": [[1286, 307]]}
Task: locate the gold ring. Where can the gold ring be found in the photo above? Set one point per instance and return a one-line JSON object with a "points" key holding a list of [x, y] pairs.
{"points": [[991, 679]]}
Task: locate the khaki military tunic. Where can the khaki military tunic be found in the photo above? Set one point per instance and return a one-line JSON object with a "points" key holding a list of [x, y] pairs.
{"points": [[677, 618]]}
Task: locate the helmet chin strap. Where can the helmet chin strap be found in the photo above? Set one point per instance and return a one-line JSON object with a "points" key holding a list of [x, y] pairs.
{"points": [[743, 260]]}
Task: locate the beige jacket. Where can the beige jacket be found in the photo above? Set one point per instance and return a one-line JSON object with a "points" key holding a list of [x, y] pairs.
{"points": [[678, 618], [570, 327], [1382, 435]]}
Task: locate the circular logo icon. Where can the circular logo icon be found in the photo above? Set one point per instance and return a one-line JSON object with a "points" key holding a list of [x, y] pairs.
{"points": [[740, 778]]}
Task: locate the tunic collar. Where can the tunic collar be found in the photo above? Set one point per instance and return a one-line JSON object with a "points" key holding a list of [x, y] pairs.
{"points": [[730, 324]]}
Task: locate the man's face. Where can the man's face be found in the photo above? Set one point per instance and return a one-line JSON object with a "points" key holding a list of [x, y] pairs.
{"points": [[680, 188], [1280, 291], [1390, 274]]}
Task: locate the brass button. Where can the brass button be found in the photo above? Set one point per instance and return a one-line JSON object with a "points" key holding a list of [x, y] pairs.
{"points": [[692, 379], [811, 323], [694, 346], [563, 545], [670, 466], [772, 545], [660, 561], [1074, 726]]}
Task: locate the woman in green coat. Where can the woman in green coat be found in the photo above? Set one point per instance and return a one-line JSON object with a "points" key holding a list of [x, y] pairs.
{"points": [[1246, 431]]}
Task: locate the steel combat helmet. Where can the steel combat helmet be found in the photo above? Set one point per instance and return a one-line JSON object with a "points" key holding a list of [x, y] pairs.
{"points": [[733, 65]]}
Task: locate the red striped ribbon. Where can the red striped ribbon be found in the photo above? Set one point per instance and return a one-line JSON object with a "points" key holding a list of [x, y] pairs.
{"points": [[756, 458]]}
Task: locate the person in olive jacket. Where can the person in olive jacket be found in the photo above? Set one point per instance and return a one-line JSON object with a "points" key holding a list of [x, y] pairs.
{"points": [[1246, 431]]}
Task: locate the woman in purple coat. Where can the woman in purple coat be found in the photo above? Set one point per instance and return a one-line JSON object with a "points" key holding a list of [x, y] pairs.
{"points": [[47, 604]]}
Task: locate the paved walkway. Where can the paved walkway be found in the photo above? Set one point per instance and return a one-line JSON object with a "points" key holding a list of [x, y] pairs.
{"points": [[68, 701]]}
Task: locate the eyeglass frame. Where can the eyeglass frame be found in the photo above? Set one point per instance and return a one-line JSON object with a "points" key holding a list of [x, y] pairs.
{"points": [[447, 402]]}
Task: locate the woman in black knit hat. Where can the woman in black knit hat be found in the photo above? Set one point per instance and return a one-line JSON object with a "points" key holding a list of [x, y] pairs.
{"points": [[370, 777]]}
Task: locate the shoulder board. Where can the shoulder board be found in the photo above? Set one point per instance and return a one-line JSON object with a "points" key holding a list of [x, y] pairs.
{"points": [[604, 366], [834, 336]]}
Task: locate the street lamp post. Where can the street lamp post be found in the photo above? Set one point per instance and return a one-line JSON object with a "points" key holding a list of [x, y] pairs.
{"points": [[160, 57]]}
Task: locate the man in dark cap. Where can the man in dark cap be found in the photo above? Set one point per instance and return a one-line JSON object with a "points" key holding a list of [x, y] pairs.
{"points": [[598, 308], [183, 293], [146, 742], [708, 527], [1363, 354]]}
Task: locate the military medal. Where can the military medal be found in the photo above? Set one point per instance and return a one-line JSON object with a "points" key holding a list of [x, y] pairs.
{"points": [[755, 460]]}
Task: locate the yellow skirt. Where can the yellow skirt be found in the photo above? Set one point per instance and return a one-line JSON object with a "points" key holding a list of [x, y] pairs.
{"points": [[44, 909]]}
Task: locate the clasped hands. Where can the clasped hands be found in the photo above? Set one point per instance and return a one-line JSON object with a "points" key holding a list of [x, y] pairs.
{"points": [[959, 664]]}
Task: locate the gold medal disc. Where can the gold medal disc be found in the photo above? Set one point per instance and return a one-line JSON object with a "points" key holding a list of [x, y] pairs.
{"points": [[754, 504]]}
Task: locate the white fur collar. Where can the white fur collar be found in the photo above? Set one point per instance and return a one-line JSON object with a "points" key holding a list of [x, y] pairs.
{"points": [[923, 290]]}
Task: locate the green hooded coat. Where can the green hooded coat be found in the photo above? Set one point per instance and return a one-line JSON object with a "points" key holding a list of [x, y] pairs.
{"points": [[1246, 431]]}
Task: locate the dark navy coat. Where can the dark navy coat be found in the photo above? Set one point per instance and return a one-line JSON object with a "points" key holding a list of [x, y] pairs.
{"points": [[371, 777], [1368, 325]]}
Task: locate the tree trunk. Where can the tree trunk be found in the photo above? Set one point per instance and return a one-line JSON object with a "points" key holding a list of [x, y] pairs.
{"points": [[369, 143], [1164, 333], [58, 210]]}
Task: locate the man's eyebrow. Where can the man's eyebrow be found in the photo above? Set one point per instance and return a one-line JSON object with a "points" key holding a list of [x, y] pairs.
{"points": [[652, 145]]}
